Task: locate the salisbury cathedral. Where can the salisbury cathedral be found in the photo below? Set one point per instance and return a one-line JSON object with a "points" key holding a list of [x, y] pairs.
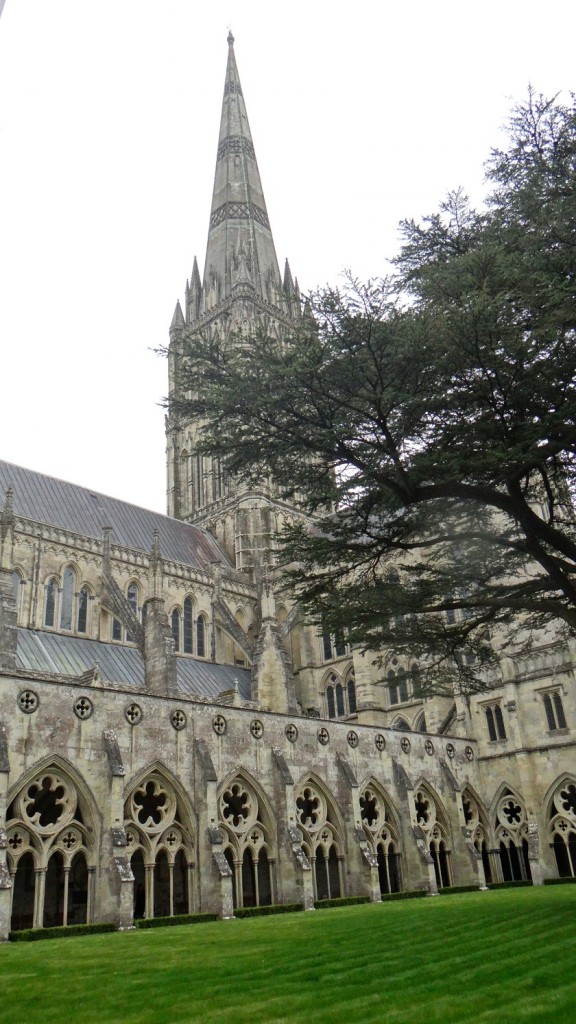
{"points": [[174, 737]]}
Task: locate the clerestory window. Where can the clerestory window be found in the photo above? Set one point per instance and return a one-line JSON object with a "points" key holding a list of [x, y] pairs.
{"points": [[495, 722], [554, 710]]}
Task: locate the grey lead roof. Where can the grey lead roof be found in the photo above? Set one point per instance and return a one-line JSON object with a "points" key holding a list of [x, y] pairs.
{"points": [[54, 502], [42, 651]]}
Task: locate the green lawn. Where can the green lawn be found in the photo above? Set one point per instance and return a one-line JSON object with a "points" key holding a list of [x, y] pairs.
{"points": [[503, 957]]}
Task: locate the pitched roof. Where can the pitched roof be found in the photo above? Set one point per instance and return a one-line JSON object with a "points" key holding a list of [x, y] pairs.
{"points": [[43, 651], [46, 499]]}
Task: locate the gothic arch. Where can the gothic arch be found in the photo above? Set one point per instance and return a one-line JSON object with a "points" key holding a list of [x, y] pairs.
{"points": [[433, 820], [478, 821], [249, 829], [401, 722], [510, 823], [560, 810], [158, 767], [90, 812], [53, 841], [381, 825], [160, 834], [323, 835]]}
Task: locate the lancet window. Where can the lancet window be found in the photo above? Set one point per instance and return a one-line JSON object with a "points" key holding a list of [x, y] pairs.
{"points": [[161, 848], [511, 835], [50, 854], [562, 827], [248, 845], [434, 824], [322, 841], [382, 834], [340, 696], [476, 821]]}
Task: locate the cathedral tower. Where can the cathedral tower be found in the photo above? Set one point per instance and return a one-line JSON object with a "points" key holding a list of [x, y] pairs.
{"points": [[242, 288]]}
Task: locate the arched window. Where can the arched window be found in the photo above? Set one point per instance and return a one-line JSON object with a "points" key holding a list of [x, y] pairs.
{"points": [[317, 821], [398, 689], [68, 587], [201, 636], [50, 603], [244, 822], [562, 824], [50, 853], [17, 586], [382, 835], [162, 849], [511, 834], [351, 691], [555, 717], [340, 697], [334, 645], [132, 597], [82, 623], [175, 626], [188, 638]]}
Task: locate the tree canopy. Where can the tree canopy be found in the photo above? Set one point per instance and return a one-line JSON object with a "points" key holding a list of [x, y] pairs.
{"points": [[427, 421]]}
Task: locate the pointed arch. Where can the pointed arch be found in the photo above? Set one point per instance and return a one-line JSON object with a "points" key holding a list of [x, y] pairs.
{"points": [[510, 823], [160, 834], [381, 825], [560, 810], [51, 592], [432, 818], [478, 822], [247, 822], [401, 723], [319, 820], [69, 576], [53, 837]]}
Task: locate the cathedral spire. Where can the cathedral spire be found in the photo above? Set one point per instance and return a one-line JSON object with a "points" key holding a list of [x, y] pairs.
{"points": [[240, 248]]}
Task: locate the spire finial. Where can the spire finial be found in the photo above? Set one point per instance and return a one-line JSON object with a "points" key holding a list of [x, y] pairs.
{"points": [[230, 38]]}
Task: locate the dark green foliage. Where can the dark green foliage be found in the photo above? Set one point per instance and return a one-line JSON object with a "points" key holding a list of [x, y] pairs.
{"points": [[61, 932], [559, 881], [272, 908], [408, 894], [427, 422], [448, 890], [341, 901], [510, 885], [167, 922]]}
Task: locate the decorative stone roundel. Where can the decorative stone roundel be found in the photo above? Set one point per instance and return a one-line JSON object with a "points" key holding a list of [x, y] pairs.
{"points": [[28, 701], [450, 750], [83, 708], [405, 744], [311, 809], [178, 719], [257, 729], [47, 802], [352, 738], [429, 747], [379, 741], [291, 732], [133, 713], [153, 806], [219, 725], [565, 800], [238, 808], [510, 812], [469, 753], [323, 736]]}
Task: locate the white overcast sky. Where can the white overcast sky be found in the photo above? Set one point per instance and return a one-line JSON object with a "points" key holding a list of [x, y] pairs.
{"points": [[361, 113]]}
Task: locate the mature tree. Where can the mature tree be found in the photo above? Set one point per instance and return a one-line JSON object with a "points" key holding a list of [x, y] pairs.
{"points": [[428, 421]]}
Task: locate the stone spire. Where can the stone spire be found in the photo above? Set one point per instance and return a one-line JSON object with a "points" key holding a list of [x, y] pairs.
{"points": [[240, 248]]}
